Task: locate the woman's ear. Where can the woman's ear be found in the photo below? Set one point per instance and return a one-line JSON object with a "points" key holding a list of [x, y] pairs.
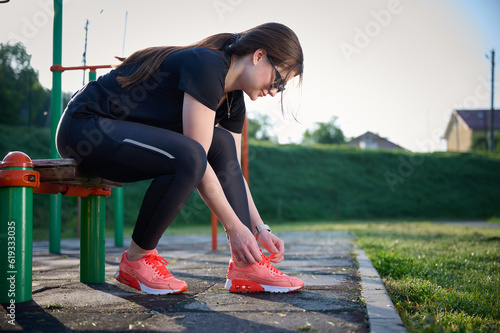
{"points": [[258, 56]]}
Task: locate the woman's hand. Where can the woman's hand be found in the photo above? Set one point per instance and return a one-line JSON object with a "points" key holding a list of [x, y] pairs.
{"points": [[273, 244], [243, 245]]}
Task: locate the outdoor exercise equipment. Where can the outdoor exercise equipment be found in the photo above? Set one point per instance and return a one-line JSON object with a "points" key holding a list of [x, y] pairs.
{"points": [[55, 115], [20, 177]]}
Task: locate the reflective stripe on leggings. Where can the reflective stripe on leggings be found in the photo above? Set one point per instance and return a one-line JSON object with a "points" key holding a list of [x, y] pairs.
{"points": [[143, 145]]}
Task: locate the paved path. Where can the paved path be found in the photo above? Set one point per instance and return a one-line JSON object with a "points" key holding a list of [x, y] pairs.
{"points": [[333, 299]]}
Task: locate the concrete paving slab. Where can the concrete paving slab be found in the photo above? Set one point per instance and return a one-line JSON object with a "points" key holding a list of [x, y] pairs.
{"points": [[320, 280], [331, 301], [323, 300], [261, 322]]}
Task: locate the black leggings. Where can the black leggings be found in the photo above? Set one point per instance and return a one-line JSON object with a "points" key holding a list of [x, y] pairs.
{"points": [[125, 151]]}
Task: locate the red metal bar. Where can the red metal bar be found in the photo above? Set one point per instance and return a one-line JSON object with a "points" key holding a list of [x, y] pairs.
{"points": [[60, 68], [245, 152], [72, 190], [213, 220]]}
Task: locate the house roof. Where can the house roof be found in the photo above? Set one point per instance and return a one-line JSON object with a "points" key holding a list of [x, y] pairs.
{"points": [[474, 119], [381, 143]]}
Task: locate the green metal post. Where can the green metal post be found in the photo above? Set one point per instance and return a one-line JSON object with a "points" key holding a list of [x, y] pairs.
{"points": [[117, 194], [55, 223], [55, 115], [92, 239], [17, 180], [92, 75]]}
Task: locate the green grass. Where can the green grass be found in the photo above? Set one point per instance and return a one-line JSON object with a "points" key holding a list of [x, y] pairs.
{"points": [[494, 220], [441, 278]]}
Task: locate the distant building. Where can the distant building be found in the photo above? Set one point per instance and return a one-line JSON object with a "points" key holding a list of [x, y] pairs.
{"points": [[465, 124], [370, 140]]}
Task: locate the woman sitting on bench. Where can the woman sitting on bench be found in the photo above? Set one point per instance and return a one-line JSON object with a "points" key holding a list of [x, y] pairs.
{"points": [[175, 115]]}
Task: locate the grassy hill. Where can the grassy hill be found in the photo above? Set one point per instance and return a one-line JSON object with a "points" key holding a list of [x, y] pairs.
{"points": [[338, 183], [292, 183]]}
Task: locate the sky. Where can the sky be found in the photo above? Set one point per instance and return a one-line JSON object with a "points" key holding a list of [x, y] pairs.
{"points": [[396, 68]]}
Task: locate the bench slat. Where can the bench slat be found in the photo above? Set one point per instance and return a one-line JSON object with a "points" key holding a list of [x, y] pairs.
{"points": [[45, 163], [57, 174], [66, 171]]}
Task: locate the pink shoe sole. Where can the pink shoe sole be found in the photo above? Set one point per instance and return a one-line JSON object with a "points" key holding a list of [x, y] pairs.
{"points": [[243, 286], [131, 281]]}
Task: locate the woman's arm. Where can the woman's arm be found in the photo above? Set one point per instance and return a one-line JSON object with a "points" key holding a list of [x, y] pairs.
{"points": [[254, 213], [269, 241], [198, 123]]}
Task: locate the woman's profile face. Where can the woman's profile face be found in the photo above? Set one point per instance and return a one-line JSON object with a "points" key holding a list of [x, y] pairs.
{"points": [[259, 76]]}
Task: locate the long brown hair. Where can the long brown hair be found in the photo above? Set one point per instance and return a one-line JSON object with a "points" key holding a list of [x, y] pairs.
{"points": [[279, 41]]}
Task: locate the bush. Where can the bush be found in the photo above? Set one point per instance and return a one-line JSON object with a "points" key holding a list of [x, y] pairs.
{"points": [[323, 182], [301, 183]]}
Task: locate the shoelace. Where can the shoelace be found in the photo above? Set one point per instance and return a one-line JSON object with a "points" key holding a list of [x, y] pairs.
{"points": [[268, 264], [159, 265]]}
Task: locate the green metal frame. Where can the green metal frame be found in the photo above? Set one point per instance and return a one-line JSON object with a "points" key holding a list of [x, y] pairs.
{"points": [[118, 194], [55, 115], [16, 232], [16, 211], [92, 239]]}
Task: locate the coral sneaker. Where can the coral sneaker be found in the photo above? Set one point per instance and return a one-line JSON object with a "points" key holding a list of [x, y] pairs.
{"points": [[149, 274], [259, 277]]}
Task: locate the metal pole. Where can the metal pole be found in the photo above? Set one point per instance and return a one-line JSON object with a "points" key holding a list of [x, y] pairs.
{"points": [[118, 215], [92, 75], [17, 180], [245, 152], [124, 33], [55, 115], [92, 239], [213, 222], [85, 49], [492, 115]]}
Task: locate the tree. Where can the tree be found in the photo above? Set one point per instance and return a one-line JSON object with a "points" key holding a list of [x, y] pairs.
{"points": [[23, 100], [481, 144], [328, 133], [259, 127]]}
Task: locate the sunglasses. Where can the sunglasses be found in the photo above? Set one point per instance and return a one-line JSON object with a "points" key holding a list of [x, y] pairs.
{"points": [[279, 82]]}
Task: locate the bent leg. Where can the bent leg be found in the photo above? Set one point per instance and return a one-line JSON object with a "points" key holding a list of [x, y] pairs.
{"points": [[223, 158], [128, 152]]}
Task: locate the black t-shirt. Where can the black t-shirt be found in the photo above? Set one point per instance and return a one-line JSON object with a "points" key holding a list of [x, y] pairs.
{"points": [[158, 101]]}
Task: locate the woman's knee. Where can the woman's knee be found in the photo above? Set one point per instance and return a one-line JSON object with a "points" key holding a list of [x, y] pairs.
{"points": [[222, 137], [194, 160], [222, 143]]}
